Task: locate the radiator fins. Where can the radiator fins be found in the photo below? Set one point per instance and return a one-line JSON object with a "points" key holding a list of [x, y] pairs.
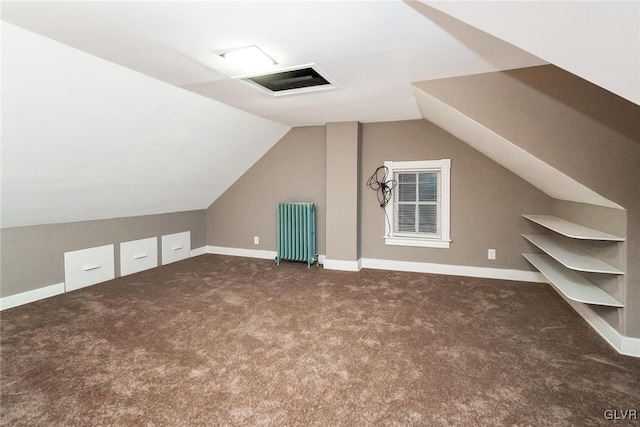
{"points": [[296, 234]]}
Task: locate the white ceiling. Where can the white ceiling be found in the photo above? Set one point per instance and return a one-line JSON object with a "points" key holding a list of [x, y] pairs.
{"points": [[372, 49], [87, 134], [86, 139], [596, 40]]}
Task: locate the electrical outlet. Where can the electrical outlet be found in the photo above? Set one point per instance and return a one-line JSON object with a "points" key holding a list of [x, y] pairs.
{"points": [[491, 254], [256, 240]]}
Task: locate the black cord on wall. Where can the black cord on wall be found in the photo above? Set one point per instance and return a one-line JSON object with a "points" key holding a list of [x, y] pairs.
{"points": [[383, 188]]}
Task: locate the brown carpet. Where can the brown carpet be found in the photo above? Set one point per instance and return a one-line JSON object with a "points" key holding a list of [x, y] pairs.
{"points": [[219, 340]]}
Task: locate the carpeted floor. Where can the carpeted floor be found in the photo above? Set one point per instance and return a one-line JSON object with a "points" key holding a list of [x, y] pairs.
{"points": [[219, 340]]}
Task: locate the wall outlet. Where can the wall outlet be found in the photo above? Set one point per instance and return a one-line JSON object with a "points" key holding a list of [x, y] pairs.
{"points": [[491, 254], [256, 240]]}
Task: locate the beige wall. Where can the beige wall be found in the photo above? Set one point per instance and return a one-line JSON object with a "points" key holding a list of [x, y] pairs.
{"points": [[584, 131], [487, 200], [33, 257], [580, 129], [292, 171], [343, 149]]}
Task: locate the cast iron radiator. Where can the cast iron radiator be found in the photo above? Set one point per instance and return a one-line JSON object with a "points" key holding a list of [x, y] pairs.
{"points": [[296, 239]]}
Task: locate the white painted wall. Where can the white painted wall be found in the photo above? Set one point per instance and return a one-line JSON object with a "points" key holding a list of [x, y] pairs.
{"points": [[596, 40], [83, 138]]}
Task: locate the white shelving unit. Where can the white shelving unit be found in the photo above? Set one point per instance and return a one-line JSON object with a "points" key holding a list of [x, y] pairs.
{"points": [[571, 284], [569, 229], [561, 263], [570, 257]]}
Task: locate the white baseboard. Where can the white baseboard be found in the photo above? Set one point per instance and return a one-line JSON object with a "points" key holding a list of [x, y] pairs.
{"points": [[382, 264], [453, 270], [31, 296], [199, 251], [337, 264], [628, 346], [249, 253]]}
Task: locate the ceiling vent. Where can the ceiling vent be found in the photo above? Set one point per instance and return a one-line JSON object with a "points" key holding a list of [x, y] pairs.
{"points": [[289, 81]]}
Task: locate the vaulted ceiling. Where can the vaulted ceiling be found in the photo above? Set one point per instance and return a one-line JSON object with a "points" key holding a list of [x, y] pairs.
{"points": [[125, 108], [598, 41], [85, 139], [373, 50]]}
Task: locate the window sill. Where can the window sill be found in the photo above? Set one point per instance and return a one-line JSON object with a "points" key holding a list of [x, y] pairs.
{"points": [[417, 242]]}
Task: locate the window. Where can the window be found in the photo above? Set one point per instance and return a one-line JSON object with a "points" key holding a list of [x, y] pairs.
{"points": [[418, 214]]}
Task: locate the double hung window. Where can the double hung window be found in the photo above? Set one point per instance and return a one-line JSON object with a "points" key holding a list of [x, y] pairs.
{"points": [[419, 211]]}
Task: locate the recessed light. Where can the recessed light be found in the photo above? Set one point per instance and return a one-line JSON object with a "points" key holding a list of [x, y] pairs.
{"points": [[248, 57]]}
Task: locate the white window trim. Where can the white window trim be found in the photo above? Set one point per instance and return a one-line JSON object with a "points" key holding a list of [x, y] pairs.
{"points": [[443, 241]]}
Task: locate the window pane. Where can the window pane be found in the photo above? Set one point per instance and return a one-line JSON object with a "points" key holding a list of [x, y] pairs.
{"points": [[428, 187], [406, 218], [407, 187], [428, 219]]}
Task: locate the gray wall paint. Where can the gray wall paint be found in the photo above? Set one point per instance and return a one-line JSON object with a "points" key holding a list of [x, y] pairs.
{"points": [[361, 185], [580, 129], [342, 191], [487, 200], [33, 257], [609, 220], [292, 171]]}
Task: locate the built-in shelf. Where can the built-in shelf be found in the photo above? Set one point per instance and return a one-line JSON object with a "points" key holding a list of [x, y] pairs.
{"points": [[569, 229], [571, 284], [569, 256], [562, 263]]}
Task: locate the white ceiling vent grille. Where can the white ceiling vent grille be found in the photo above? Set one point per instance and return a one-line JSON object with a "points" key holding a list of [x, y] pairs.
{"points": [[289, 81]]}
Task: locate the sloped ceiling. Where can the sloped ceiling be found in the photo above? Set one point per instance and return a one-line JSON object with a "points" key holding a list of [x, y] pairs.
{"points": [[84, 139], [596, 40], [114, 109], [119, 116], [541, 175], [373, 50]]}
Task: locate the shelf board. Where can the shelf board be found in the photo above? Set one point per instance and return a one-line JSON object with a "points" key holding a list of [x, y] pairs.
{"points": [[569, 229], [571, 284], [569, 256]]}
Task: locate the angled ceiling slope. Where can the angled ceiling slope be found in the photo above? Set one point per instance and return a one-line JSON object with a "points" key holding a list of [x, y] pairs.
{"points": [[86, 139], [546, 178], [373, 50], [578, 37], [596, 40]]}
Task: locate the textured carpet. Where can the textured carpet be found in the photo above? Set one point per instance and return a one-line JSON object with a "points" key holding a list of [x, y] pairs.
{"points": [[219, 340]]}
